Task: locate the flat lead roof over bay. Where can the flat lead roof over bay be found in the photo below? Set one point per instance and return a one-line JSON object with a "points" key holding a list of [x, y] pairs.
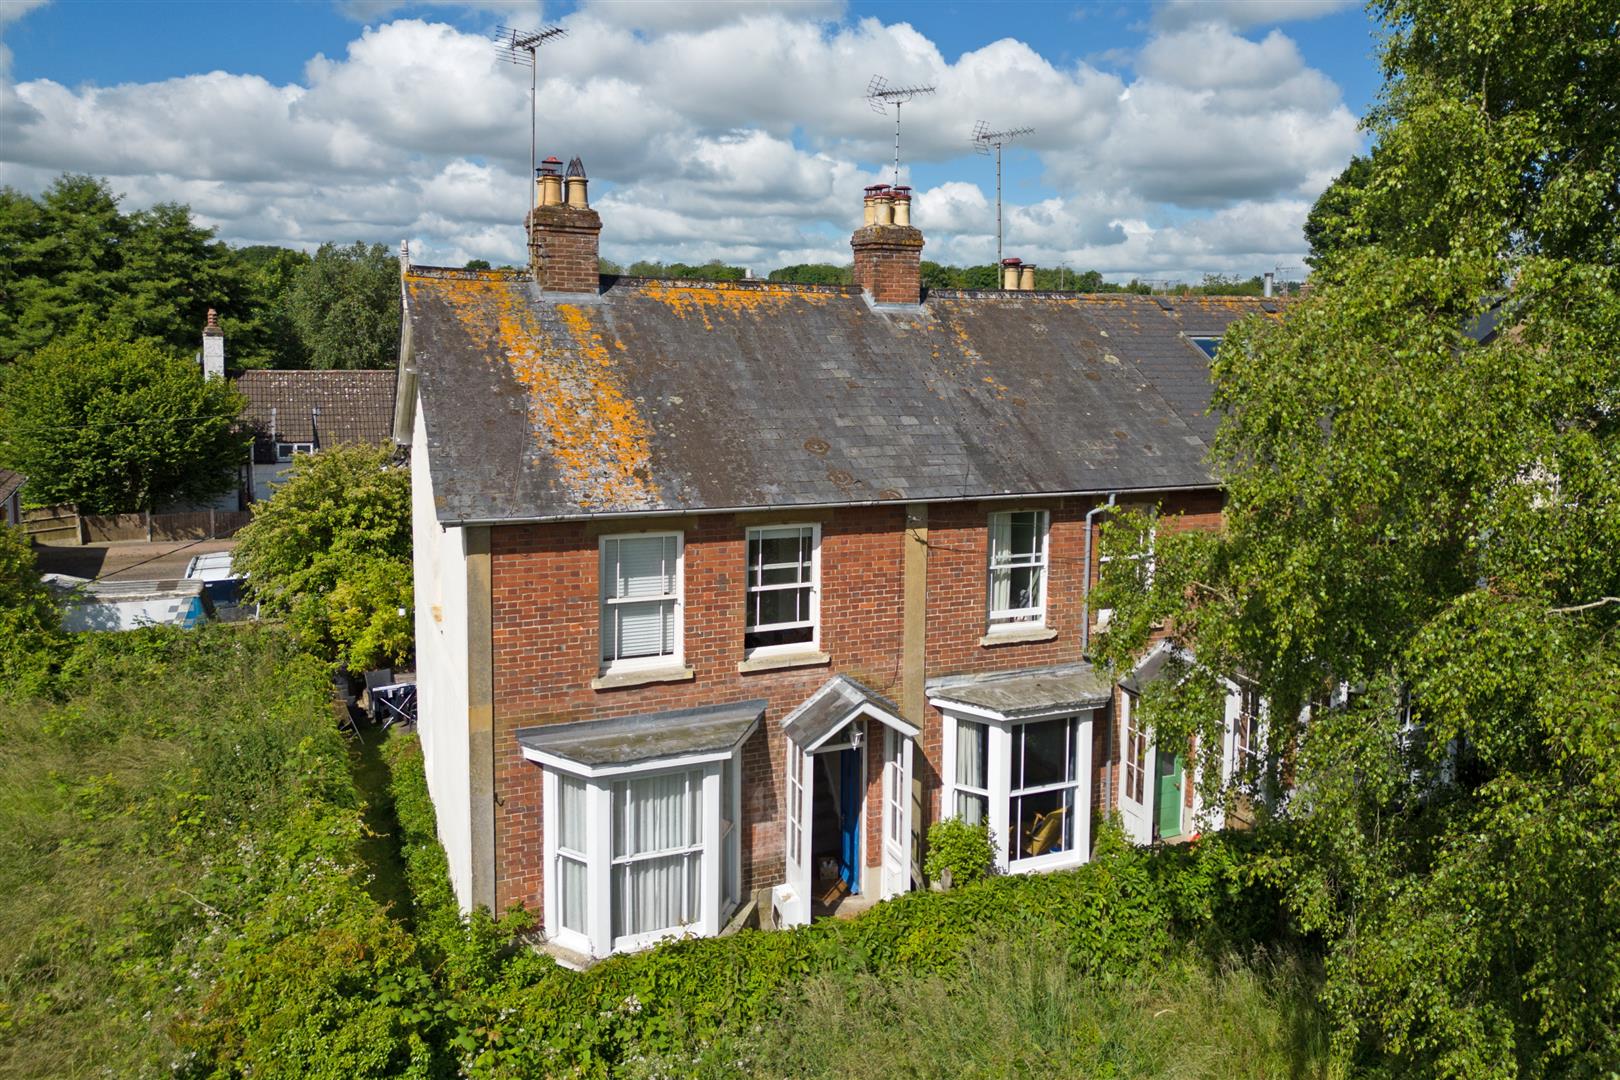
{"points": [[1015, 694], [675, 396], [647, 737]]}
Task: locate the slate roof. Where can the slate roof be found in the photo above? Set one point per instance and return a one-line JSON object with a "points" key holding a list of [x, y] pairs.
{"points": [[825, 713], [327, 408], [626, 740], [669, 395], [10, 483]]}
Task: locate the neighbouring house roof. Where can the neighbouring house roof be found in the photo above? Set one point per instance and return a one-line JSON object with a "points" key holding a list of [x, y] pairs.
{"points": [[647, 737], [665, 395], [10, 483], [127, 605], [838, 701], [326, 408], [1014, 694]]}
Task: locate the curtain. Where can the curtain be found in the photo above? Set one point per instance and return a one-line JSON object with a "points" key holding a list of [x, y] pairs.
{"points": [[653, 814], [970, 770], [571, 876], [1000, 552]]}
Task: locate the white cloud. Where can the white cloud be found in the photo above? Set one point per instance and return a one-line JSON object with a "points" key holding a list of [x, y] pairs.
{"points": [[735, 131], [1242, 14]]}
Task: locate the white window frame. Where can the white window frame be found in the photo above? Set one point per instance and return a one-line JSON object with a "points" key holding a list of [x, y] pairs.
{"points": [[1001, 734], [675, 659], [1136, 761], [750, 587], [1106, 615], [286, 451], [716, 847], [1013, 620]]}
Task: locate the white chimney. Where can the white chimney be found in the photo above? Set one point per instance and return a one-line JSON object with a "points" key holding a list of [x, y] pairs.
{"points": [[1270, 276], [213, 348]]}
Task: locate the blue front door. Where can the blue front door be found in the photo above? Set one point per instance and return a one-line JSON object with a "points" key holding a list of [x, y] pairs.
{"points": [[849, 818]]}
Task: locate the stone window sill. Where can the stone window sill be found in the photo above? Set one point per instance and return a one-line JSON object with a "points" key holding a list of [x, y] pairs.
{"points": [[778, 661], [618, 680], [1019, 636]]}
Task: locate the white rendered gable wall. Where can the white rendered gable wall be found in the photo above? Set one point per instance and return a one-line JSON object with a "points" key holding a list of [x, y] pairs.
{"points": [[440, 564]]}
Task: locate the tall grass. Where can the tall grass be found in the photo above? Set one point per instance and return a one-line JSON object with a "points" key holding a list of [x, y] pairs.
{"points": [[1016, 1008]]}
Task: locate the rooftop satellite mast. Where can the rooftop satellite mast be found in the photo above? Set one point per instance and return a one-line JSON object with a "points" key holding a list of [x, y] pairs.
{"points": [[880, 95], [983, 140], [519, 47]]}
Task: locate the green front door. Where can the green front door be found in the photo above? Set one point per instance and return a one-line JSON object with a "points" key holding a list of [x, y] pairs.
{"points": [[1169, 792]]}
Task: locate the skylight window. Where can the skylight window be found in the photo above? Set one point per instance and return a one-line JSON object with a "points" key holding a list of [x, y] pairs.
{"points": [[1208, 344]]}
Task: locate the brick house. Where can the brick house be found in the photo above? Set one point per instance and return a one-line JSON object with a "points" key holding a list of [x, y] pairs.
{"points": [[725, 592]]}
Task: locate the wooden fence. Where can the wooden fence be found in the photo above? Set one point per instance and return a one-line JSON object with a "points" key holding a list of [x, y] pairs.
{"points": [[64, 525]]}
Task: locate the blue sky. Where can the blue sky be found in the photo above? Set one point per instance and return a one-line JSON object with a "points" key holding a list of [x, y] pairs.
{"points": [[1172, 139]]}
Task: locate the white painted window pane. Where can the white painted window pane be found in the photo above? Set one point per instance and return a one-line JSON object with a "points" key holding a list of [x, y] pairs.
{"points": [[971, 808], [655, 813], [644, 566], [572, 893], [1017, 565], [972, 741], [656, 894], [643, 629], [571, 812]]}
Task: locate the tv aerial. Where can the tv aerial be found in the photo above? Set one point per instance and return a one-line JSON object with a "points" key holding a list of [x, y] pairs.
{"points": [[983, 140], [880, 95], [520, 47]]}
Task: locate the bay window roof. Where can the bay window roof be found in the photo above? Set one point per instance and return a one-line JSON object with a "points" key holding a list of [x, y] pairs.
{"points": [[646, 740], [1012, 695]]}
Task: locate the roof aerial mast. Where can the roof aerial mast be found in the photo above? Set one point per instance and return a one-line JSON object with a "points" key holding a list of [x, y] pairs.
{"points": [[880, 95], [983, 140], [519, 47]]}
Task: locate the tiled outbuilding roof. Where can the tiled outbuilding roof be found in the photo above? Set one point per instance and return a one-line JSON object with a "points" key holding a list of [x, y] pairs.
{"points": [[10, 482], [326, 408], [664, 395]]}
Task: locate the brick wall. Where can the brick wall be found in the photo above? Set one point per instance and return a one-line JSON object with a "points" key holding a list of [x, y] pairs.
{"points": [[563, 245], [888, 262], [545, 628]]}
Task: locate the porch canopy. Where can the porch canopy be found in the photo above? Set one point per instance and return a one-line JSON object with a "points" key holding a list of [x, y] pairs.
{"points": [[644, 741], [1024, 695], [830, 709]]}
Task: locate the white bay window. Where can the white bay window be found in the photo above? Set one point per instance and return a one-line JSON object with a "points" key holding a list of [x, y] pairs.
{"points": [[641, 838], [1028, 779]]}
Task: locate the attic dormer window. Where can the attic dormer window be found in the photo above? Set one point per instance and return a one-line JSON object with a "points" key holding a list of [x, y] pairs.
{"points": [[285, 451]]}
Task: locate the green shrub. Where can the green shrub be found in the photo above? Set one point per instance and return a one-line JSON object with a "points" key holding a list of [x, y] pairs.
{"points": [[966, 852]]}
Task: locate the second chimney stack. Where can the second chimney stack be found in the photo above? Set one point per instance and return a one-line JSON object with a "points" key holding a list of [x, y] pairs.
{"points": [[564, 232]]}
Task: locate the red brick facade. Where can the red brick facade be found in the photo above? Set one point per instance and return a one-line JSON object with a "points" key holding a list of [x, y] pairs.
{"points": [[545, 648]]}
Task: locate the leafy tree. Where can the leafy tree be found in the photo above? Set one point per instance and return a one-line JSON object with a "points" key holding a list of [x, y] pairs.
{"points": [[477, 264], [331, 551], [28, 617], [345, 307], [1331, 225], [116, 426], [1421, 556], [814, 274], [260, 332]]}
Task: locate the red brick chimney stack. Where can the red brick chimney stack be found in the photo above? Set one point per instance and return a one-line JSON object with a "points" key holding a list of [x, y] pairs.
{"points": [[564, 232], [888, 249]]}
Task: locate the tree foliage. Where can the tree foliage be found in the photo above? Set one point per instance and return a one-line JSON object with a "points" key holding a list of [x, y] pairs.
{"points": [[1421, 553], [330, 551], [113, 425], [345, 307], [28, 617]]}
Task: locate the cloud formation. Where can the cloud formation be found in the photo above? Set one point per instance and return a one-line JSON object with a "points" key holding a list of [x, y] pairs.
{"points": [[728, 131]]}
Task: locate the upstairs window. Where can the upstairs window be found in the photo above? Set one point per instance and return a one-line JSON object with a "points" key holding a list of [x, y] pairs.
{"points": [[641, 600], [1144, 567], [1017, 568], [782, 591], [286, 450]]}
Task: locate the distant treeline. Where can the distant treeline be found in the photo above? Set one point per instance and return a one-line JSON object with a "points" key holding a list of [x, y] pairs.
{"points": [[71, 256], [938, 276]]}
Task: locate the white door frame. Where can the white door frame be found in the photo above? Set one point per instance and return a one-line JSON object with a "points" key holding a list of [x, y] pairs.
{"points": [[790, 901], [896, 840], [1137, 816]]}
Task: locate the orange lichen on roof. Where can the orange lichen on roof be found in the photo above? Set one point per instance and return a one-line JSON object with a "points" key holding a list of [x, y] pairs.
{"points": [[581, 417], [759, 298]]}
